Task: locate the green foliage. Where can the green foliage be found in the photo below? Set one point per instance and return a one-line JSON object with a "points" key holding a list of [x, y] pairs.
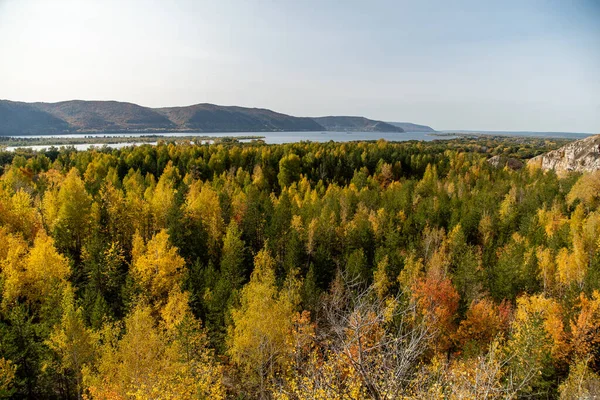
{"points": [[290, 167], [101, 251]]}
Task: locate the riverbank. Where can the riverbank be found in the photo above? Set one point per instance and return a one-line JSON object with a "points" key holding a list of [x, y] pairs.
{"points": [[6, 141]]}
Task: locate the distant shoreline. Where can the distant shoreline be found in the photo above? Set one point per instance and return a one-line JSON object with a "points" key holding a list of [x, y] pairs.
{"points": [[8, 141], [511, 134]]}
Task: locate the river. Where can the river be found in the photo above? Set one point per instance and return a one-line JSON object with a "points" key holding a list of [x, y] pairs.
{"points": [[291, 137]]}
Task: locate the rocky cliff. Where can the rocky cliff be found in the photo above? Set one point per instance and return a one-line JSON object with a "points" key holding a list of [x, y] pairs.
{"points": [[579, 156]]}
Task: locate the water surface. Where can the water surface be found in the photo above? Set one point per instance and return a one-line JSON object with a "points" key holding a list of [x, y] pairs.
{"points": [[269, 137], [291, 137]]}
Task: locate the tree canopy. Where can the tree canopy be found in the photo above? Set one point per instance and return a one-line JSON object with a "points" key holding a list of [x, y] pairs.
{"points": [[299, 271]]}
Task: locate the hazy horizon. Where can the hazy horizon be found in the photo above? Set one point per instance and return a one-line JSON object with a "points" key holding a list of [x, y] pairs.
{"points": [[511, 66]]}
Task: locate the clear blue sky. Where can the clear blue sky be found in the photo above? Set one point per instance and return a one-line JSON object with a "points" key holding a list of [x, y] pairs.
{"points": [[493, 65]]}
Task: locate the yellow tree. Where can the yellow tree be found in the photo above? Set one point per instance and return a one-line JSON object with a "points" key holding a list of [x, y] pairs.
{"points": [[571, 267], [189, 347], [546, 267], [507, 206], [411, 273], [202, 205], [585, 328], [7, 378], [120, 221], [258, 339], [486, 229], [381, 282], [537, 341], [138, 208], [162, 199], [46, 271], [128, 365], [13, 250], [18, 214], [551, 220], [72, 341], [38, 274], [73, 205], [155, 361], [157, 267], [586, 189], [50, 207]]}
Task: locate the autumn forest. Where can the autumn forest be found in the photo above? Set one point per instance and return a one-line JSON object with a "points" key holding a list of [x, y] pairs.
{"points": [[371, 270]]}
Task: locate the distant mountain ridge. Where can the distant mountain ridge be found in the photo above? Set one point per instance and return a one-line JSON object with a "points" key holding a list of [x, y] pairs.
{"points": [[410, 127], [213, 118], [80, 116], [106, 115], [362, 124], [21, 118]]}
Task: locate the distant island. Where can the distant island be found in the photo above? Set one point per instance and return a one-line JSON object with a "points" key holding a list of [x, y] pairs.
{"points": [[79, 116]]}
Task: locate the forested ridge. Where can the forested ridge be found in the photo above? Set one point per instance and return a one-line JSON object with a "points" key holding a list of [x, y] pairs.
{"points": [[19, 118], [302, 271]]}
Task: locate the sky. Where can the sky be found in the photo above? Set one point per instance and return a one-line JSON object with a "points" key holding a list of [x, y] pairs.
{"points": [[526, 65]]}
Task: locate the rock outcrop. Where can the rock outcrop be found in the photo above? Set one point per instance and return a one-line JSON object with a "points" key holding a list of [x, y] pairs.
{"points": [[580, 156], [503, 161]]}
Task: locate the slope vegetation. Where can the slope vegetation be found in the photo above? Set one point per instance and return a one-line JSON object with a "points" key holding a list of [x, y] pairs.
{"points": [[18, 118], [362, 124], [106, 115], [214, 118]]}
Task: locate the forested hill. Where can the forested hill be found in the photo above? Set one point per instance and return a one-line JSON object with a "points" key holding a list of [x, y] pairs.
{"points": [[357, 124], [17, 118], [353, 271], [213, 118], [21, 119], [105, 115], [112, 116], [410, 127]]}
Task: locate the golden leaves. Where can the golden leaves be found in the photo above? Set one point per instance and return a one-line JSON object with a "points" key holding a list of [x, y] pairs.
{"points": [[157, 266], [38, 273]]}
